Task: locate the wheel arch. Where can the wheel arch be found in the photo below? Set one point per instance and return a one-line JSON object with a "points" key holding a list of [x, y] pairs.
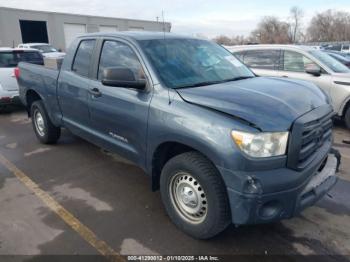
{"points": [[30, 97], [167, 150]]}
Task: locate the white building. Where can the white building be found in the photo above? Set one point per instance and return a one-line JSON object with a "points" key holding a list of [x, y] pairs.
{"points": [[59, 29]]}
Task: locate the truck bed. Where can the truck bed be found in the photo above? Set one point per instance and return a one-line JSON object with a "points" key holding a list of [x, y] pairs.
{"points": [[42, 81]]}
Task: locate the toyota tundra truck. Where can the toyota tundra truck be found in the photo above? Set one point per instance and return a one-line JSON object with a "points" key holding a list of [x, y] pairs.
{"points": [[222, 145]]}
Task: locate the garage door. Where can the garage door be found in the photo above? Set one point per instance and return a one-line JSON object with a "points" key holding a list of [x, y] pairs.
{"points": [[71, 31], [108, 28]]}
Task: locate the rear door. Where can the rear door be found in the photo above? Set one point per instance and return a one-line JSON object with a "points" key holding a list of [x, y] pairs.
{"points": [[264, 62], [73, 88], [294, 65], [8, 61]]}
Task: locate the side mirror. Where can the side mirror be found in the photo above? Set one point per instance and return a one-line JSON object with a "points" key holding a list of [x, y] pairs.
{"points": [[121, 77], [313, 69]]}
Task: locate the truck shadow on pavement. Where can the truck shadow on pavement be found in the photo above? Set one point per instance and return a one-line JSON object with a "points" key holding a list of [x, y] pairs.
{"points": [[112, 197], [134, 214]]}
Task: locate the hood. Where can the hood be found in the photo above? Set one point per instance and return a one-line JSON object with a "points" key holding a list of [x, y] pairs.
{"points": [[271, 104]]}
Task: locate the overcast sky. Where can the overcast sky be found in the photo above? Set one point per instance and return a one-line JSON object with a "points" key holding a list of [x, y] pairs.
{"points": [[207, 17]]}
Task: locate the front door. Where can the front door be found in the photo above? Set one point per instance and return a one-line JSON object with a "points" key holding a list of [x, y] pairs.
{"points": [[294, 65], [119, 115]]}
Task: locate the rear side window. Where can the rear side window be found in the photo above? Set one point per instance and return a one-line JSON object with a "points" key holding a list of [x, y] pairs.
{"points": [[117, 54], [11, 59], [262, 59], [82, 60]]}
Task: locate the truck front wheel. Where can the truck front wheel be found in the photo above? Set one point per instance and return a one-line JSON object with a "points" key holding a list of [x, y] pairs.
{"points": [[44, 129], [194, 195]]}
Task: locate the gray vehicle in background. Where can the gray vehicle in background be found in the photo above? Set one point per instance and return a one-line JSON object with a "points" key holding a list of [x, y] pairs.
{"points": [[304, 63]]}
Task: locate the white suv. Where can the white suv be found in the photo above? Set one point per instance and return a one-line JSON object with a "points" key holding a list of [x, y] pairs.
{"points": [[9, 58], [304, 63], [46, 49]]}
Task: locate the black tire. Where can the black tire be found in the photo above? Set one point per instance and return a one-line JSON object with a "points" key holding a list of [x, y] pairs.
{"points": [[347, 118], [217, 210], [49, 134]]}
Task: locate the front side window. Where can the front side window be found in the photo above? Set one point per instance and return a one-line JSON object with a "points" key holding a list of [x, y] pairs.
{"points": [[117, 54], [296, 62], [262, 59], [82, 60], [181, 63]]}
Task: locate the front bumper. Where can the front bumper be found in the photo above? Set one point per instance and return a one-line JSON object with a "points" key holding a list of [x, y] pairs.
{"points": [[257, 208]]}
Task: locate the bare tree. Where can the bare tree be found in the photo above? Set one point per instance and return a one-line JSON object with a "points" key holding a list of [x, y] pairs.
{"points": [[329, 25], [296, 17], [271, 30], [223, 40]]}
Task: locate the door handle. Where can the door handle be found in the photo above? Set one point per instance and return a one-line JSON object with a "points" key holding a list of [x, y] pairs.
{"points": [[285, 76], [95, 92]]}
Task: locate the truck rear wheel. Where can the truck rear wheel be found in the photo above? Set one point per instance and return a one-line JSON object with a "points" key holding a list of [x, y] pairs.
{"points": [[44, 129], [194, 195]]}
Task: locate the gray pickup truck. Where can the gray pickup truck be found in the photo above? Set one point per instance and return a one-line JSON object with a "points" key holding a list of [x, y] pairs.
{"points": [[222, 145]]}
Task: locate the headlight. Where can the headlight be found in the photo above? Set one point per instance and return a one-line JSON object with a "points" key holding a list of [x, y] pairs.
{"points": [[261, 144]]}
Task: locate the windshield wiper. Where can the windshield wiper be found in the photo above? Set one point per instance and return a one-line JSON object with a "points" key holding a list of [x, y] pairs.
{"points": [[207, 83], [236, 79]]}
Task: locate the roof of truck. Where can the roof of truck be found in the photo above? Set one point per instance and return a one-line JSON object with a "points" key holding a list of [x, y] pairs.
{"points": [[138, 35]]}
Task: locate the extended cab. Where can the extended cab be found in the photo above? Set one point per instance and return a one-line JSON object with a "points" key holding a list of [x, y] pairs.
{"points": [[222, 145]]}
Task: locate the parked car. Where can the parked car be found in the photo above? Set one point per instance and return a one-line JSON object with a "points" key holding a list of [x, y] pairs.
{"points": [[339, 57], [46, 49], [345, 48], [345, 55], [9, 59], [304, 63], [222, 145]]}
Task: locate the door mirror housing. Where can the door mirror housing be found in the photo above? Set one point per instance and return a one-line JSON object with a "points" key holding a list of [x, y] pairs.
{"points": [[122, 77], [313, 69]]}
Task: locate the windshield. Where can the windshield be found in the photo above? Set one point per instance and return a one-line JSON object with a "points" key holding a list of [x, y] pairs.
{"points": [[330, 62], [340, 58], [45, 48], [192, 62]]}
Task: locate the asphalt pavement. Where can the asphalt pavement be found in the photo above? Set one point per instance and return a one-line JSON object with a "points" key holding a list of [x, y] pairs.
{"points": [[111, 202]]}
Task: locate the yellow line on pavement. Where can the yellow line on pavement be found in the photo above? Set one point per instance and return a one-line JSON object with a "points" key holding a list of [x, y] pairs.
{"points": [[64, 214]]}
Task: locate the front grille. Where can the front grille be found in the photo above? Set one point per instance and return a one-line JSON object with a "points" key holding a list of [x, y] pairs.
{"points": [[309, 134], [314, 135]]}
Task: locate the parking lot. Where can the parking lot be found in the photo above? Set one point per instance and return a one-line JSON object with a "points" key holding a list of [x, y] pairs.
{"points": [[111, 208]]}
